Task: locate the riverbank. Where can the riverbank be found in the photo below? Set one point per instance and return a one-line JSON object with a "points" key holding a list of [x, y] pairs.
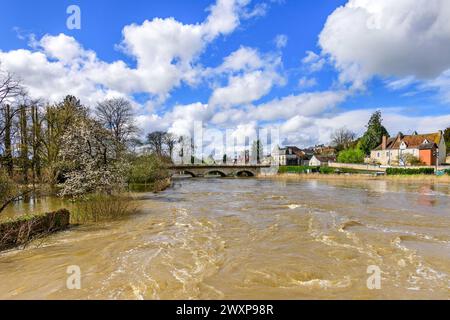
{"points": [[360, 177], [26, 229]]}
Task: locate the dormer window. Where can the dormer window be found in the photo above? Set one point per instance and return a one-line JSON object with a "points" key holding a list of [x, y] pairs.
{"points": [[426, 141], [403, 145]]}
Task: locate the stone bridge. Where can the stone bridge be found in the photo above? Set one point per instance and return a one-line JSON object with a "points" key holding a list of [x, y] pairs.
{"points": [[218, 170]]}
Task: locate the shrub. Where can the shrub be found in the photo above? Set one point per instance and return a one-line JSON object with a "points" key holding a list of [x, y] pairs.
{"points": [[100, 207], [326, 170], [351, 156], [404, 171], [147, 169]]}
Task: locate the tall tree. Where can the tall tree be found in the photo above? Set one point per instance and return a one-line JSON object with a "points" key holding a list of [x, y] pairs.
{"points": [[23, 129], [36, 141], [117, 116], [156, 142], [58, 119], [8, 158], [257, 151], [374, 134], [170, 141], [447, 138]]}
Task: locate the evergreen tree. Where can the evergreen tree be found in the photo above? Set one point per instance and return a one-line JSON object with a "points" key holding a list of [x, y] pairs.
{"points": [[374, 134]]}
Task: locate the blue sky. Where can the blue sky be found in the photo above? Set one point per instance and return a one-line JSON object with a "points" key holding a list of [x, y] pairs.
{"points": [[286, 65]]}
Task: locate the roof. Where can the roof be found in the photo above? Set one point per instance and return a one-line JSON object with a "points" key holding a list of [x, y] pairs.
{"points": [[325, 158], [428, 146], [411, 141]]}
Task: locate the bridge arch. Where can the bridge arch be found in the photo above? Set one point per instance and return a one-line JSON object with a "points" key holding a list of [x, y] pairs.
{"points": [[216, 172], [245, 173], [193, 175]]}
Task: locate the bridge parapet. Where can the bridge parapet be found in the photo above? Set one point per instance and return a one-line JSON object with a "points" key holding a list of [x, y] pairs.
{"points": [[222, 170]]}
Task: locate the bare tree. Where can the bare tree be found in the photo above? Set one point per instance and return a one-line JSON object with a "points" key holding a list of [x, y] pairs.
{"points": [[117, 116], [156, 142], [10, 87], [342, 138], [170, 140]]}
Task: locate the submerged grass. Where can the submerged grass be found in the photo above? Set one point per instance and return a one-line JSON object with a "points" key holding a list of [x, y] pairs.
{"points": [[98, 208]]}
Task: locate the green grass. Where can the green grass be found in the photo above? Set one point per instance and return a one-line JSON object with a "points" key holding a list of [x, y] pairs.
{"points": [[297, 169], [409, 172]]}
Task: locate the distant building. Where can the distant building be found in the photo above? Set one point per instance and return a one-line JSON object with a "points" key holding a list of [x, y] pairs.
{"points": [[290, 156], [321, 161], [429, 149]]}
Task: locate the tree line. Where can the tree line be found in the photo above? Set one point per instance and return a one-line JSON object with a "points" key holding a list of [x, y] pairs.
{"points": [[67, 146], [352, 149]]}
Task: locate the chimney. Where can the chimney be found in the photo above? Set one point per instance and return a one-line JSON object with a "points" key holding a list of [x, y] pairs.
{"points": [[384, 143]]}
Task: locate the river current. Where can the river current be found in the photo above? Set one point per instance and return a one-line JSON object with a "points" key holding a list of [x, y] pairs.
{"points": [[251, 239]]}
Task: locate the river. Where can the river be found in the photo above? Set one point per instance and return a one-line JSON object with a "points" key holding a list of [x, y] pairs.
{"points": [[251, 239]]}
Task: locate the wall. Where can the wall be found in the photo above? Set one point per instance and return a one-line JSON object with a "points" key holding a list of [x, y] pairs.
{"points": [[367, 167], [23, 230]]}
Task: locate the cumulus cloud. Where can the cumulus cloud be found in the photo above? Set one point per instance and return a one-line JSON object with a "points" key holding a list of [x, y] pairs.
{"points": [[166, 53], [251, 77], [399, 38]]}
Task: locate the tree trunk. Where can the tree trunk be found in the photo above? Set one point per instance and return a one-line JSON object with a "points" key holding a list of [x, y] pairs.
{"points": [[24, 161], [8, 145], [36, 142]]}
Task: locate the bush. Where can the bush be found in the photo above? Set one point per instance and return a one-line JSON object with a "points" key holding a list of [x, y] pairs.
{"points": [[147, 169], [404, 171], [351, 156], [99, 207], [297, 169], [327, 170]]}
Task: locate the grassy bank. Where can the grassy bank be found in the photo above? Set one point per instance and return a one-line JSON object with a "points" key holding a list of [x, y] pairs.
{"points": [[361, 177]]}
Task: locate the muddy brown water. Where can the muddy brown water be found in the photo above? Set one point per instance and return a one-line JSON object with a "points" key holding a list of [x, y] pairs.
{"points": [[250, 239]]}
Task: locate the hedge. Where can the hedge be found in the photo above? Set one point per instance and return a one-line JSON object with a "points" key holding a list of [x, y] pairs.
{"points": [[297, 169], [327, 170], [403, 171]]}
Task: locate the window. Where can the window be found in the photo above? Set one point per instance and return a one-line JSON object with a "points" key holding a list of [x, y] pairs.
{"points": [[378, 155]]}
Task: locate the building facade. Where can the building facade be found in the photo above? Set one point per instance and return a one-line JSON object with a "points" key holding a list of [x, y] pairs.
{"points": [[290, 156], [429, 149]]}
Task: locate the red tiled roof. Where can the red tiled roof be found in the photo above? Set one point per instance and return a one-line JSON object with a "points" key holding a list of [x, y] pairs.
{"points": [[411, 141]]}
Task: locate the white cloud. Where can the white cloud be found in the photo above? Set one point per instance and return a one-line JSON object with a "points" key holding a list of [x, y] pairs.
{"points": [[166, 53], [245, 89], [251, 77], [244, 58], [399, 38], [305, 104], [281, 41], [313, 61], [305, 82]]}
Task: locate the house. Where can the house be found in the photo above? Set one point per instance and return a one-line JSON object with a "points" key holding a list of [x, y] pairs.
{"points": [[290, 156], [321, 161], [429, 149]]}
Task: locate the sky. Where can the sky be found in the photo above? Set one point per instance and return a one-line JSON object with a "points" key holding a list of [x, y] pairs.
{"points": [[305, 67]]}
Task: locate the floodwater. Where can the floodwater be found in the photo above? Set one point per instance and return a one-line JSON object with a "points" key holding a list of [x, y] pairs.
{"points": [[251, 239]]}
